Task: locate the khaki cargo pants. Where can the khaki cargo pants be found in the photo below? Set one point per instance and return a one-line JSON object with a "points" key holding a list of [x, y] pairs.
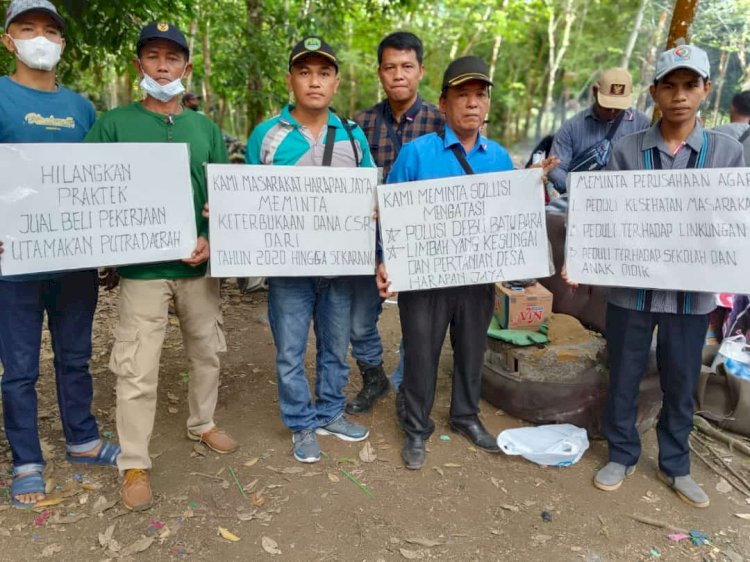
{"points": [[144, 315]]}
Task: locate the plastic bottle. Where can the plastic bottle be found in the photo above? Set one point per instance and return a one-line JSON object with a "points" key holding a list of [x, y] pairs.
{"points": [[737, 369]]}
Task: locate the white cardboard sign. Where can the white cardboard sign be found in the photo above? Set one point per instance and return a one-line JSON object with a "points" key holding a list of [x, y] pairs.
{"points": [[464, 230], [685, 230], [291, 221], [77, 206]]}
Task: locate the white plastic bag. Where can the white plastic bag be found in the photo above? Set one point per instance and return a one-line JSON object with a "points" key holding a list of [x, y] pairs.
{"points": [[549, 445], [734, 348]]}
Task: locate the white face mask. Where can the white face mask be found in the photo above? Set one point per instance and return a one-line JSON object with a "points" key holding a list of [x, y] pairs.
{"points": [[161, 92], [38, 53]]}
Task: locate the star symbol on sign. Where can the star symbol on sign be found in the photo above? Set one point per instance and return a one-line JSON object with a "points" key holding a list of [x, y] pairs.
{"points": [[392, 233], [392, 252]]}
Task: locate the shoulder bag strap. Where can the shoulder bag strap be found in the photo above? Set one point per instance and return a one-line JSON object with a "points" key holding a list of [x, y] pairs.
{"points": [[348, 130], [330, 141], [614, 126], [459, 154], [392, 136]]}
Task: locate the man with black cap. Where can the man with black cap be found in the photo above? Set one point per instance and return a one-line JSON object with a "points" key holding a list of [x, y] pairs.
{"points": [[35, 109], [146, 290], [426, 315], [584, 141], [309, 133]]}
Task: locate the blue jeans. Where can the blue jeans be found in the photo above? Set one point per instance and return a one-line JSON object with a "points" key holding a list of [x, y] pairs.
{"points": [[398, 373], [367, 305], [70, 302], [292, 303]]}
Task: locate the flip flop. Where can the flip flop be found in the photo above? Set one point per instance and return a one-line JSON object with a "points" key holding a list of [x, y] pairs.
{"points": [[32, 483], [107, 456]]}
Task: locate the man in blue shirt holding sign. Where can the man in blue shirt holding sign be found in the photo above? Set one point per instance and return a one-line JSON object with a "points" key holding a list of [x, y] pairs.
{"points": [[426, 314], [34, 108]]}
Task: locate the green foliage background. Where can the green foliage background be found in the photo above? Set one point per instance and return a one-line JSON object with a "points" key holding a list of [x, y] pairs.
{"points": [[248, 41]]}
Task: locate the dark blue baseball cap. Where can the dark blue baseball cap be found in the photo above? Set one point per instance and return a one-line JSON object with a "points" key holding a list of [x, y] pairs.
{"points": [[162, 30]]}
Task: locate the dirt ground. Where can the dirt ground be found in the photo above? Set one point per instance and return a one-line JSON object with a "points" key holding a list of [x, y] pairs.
{"points": [[464, 505]]}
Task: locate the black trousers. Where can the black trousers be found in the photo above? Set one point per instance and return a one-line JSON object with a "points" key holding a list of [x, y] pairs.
{"points": [[679, 351], [425, 318]]}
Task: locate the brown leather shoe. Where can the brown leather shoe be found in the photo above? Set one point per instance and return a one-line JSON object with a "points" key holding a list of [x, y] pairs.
{"points": [[217, 440], [136, 490]]}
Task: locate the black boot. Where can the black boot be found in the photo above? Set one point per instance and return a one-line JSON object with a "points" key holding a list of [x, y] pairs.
{"points": [[413, 452], [374, 385]]}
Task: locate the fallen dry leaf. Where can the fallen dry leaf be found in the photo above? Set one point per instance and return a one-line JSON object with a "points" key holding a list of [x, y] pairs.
{"points": [[723, 487], [140, 545], [226, 534], [270, 545], [50, 501], [286, 469], [251, 462], [244, 516], [411, 554], [101, 505], [451, 465], [50, 550], [424, 542], [57, 519], [367, 453], [745, 516], [332, 477], [508, 507]]}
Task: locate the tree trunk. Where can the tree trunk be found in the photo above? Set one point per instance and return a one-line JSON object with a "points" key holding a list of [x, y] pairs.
{"points": [[719, 81], [191, 46], [254, 82], [625, 62], [647, 68], [556, 53], [682, 19], [207, 94], [679, 31], [478, 31]]}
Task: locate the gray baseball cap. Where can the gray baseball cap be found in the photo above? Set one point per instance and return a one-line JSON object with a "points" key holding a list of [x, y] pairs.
{"points": [[688, 57], [18, 7]]}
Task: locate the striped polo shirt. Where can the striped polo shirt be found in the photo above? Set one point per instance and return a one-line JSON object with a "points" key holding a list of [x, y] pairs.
{"points": [[282, 141], [634, 152]]}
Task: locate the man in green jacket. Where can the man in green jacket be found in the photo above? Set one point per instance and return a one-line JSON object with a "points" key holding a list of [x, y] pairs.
{"points": [[147, 290]]}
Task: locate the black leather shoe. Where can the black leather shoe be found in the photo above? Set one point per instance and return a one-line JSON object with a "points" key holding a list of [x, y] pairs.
{"points": [[475, 432], [413, 452], [374, 385]]}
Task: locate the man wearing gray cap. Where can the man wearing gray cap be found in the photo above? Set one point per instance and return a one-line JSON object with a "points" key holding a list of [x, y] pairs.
{"points": [[677, 141], [34, 109]]}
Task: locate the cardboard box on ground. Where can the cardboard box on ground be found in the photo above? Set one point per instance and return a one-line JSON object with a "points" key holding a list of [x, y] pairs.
{"points": [[522, 308]]}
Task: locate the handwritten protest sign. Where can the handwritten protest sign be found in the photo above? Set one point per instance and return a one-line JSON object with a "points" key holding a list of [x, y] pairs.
{"points": [[75, 206], [291, 221], [464, 230], [667, 229]]}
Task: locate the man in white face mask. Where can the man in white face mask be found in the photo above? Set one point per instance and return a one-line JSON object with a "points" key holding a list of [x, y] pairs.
{"points": [[146, 290], [35, 109]]}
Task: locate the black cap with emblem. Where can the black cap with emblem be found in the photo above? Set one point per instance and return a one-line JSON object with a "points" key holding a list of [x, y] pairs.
{"points": [[161, 30], [312, 45], [464, 69]]}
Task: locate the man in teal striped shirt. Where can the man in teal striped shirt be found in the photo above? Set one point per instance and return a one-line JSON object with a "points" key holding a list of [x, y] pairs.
{"points": [[309, 133]]}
